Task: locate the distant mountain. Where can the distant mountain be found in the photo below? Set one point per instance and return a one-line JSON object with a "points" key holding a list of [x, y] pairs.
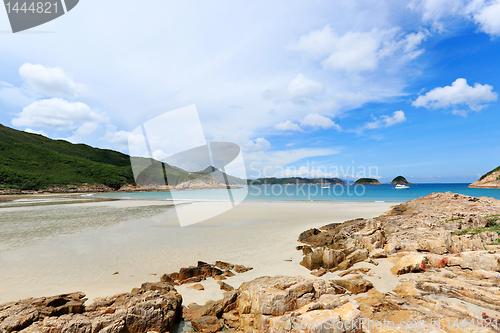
{"points": [[33, 162], [222, 177], [295, 181], [488, 180], [367, 181], [400, 180]]}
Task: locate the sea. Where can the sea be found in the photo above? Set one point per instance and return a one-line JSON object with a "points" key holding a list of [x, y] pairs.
{"points": [[335, 193]]}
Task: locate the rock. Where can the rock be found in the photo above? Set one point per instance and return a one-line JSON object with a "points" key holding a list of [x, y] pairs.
{"points": [[197, 286], [241, 268], [224, 286], [229, 274], [378, 253], [153, 307], [409, 264], [354, 285], [313, 260], [207, 324], [224, 265], [319, 272], [220, 277], [480, 260]]}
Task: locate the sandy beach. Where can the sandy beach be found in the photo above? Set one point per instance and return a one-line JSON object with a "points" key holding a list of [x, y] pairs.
{"points": [[109, 247]]}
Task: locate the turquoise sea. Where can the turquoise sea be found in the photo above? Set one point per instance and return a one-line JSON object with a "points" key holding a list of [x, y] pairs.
{"points": [[339, 193]]}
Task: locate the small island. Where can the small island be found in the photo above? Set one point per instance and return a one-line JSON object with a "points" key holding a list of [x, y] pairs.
{"points": [[400, 180], [367, 181], [488, 180]]}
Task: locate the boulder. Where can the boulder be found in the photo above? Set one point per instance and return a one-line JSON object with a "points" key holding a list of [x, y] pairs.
{"points": [[354, 285], [409, 264]]}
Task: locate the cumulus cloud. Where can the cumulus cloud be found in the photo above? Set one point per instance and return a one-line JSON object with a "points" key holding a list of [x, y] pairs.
{"points": [[485, 13], [458, 94], [50, 81], [298, 91], [386, 121], [357, 51], [288, 126], [317, 121], [60, 114], [259, 144]]}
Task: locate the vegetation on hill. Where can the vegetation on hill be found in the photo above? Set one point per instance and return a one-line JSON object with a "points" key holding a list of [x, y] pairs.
{"points": [[33, 162], [400, 180], [489, 173], [295, 180], [367, 181]]}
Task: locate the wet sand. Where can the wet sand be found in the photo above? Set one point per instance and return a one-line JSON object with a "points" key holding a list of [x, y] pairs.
{"points": [[61, 248]]}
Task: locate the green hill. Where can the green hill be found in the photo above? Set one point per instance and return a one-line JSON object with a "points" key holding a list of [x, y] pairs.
{"points": [[400, 180], [367, 181], [32, 162], [295, 180]]}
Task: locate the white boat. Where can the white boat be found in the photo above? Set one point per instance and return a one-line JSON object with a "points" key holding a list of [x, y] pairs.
{"points": [[325, 186], [401, 187]]}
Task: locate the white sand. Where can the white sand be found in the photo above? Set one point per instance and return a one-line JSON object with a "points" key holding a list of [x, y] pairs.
{"points": [[257, 234]]}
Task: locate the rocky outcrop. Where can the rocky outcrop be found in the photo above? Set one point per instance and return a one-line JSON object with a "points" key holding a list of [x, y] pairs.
{"points": [[192, 274], [268, 304], [367, 181], [153, 307], [400, 180], [437, 224], [489, 180]]}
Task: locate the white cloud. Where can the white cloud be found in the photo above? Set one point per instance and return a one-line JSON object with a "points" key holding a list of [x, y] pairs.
{"points": [[288, 126], [298, 91], [317, 120], [119, 138], [487, 15], [60, 114], [459, 93], [15, 96], [357, 51], [386, 121], [273, 163], [50, 81], [433, 11], [259, 144]]}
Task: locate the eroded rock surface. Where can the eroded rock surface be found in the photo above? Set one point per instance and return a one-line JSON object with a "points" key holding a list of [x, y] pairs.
{"points": [[153, 307]]}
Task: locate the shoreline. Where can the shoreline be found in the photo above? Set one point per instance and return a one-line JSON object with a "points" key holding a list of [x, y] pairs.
{"points": [[86, 261]]}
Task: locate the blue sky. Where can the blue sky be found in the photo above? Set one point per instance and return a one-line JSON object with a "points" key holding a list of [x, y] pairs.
{"points": [[304, 87]]}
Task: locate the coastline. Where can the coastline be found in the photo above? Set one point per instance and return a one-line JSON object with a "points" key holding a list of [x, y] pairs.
{"points": [[86, 261]]}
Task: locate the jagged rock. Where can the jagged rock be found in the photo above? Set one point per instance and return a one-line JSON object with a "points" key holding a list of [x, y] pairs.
{"points": [[224, 265], [207, 324], [482, 260], [197, 287], [241, 268], [153, 307], [354, 285], [224, 286], [410, 263], [319, 272]]}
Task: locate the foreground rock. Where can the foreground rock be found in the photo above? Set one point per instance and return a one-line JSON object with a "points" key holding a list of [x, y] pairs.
{"points": [[268, 304], [153, 307]]}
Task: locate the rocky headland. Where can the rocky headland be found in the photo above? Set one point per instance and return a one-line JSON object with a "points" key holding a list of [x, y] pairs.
{"points": [[367, 181], [489, 180], [400, 180], [429, 265]]}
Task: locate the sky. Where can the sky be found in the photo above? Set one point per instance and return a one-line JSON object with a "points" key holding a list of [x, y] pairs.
{"points": [[305, 88]]}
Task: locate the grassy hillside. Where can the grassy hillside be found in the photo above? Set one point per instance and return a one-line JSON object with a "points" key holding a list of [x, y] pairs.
{"points": [[32, 162], [489, 173], [367, 181], [294, 180]]}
